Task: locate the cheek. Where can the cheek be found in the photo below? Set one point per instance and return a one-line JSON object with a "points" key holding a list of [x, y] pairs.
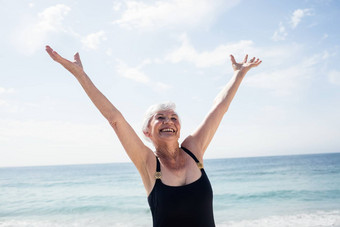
{"points": [[153, 124], [178, 125], [156, 123]]}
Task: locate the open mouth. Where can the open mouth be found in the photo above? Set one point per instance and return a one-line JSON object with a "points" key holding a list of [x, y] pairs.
{"points": [[167, 130]]}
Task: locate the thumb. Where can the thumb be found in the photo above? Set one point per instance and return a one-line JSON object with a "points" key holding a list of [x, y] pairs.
{"points": [[77, 59], [232, 59]]}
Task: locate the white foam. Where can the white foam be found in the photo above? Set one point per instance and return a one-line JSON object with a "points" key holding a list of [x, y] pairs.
{"points": [[317, 219], [74, 223]]}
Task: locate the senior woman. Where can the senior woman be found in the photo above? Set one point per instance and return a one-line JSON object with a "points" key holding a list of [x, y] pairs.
{"points": [[178, 189]]}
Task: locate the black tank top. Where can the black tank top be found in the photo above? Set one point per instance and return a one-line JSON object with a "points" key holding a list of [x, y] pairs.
{"points": [[187, 205]]}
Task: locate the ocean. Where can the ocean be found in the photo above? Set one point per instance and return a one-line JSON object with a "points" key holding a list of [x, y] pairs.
{"points": [[299, 190]]}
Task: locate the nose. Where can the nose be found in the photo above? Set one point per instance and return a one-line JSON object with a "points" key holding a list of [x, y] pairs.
{"points": [[166, 120]]}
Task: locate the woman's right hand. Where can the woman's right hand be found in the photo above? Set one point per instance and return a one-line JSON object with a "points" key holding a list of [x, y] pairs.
{"points": [[75, 67], [245, 65]]}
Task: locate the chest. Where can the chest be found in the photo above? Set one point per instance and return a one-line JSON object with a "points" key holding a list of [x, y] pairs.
{"points": [[180, 177]]}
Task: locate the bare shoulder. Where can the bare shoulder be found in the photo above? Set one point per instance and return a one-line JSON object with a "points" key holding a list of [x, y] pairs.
{"points": [[189, 143]]}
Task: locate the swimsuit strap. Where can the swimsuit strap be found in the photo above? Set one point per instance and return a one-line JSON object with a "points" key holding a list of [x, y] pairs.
{"points": [[199, 164], [158, 174]]}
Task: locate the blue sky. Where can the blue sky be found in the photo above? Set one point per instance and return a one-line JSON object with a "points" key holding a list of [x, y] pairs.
{"points": [[143, 52]]}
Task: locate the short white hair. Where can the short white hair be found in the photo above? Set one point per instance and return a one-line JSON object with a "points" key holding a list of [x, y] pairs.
{"points": [[152, 110]]}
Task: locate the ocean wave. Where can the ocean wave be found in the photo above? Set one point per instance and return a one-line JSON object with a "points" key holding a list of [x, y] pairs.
{"points": [[298, 195], [76, 221], [317, 219]]}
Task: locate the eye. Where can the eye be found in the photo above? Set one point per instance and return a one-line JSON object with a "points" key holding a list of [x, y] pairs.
{"points": [[174, 119], [160, 118]]}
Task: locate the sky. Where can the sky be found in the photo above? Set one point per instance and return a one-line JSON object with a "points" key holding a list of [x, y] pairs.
{"points": [[139, 53]]}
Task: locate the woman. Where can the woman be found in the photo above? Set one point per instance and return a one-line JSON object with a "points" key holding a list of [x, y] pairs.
{"points": [[179, 192]]}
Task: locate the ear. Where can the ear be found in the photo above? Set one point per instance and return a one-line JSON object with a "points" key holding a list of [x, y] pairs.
{"points": [[147, 134]]}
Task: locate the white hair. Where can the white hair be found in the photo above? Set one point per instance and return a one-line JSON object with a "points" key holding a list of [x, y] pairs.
{"points": [[152, 110]]}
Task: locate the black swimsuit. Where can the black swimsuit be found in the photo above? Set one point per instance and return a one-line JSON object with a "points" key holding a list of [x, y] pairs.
{"points": [[187, 205]]}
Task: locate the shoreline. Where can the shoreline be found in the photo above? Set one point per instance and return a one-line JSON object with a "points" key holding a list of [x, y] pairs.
{"points": [[313, 219]]}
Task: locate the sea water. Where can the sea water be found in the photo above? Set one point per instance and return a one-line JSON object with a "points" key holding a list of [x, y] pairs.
{"points": [[300, 190]]}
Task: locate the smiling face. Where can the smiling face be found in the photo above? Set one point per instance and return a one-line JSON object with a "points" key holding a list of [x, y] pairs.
{"points": [[164, 125]]}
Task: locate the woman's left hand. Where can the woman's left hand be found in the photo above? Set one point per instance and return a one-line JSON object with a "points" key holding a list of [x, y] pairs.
{"points": [[245, 65], [75, 67]]}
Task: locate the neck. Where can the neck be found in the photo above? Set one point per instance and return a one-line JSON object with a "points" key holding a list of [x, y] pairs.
{"points": [[170, 155], [167, 150]]}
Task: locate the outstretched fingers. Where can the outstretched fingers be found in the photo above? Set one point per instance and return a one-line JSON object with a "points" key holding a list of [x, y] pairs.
{"points": [[257, 62], [245, 64], [254, 62], [50, 51], [54, 55]]}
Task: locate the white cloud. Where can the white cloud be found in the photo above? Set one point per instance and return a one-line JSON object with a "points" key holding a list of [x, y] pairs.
{"points": [[131, 73], [334, 77], [171, 12], [93, 40], [280, 76], [298, 15], [136, 74], [6, 90], [219, 56], [186, 52], [51, 18], [280, 34], [32, 37], [285, 81]]}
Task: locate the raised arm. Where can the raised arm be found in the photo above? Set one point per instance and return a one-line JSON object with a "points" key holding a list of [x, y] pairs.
{"points": [[200, 139], [135, 148]]}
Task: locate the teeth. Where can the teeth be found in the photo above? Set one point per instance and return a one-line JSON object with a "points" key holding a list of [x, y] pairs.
{"points": [[167, 130]]}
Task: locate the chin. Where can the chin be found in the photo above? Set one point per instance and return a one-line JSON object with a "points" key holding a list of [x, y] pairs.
{"points": [[174, 137]]}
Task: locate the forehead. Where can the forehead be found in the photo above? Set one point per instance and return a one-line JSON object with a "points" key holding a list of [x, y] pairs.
{"points": [[165, 112]]}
